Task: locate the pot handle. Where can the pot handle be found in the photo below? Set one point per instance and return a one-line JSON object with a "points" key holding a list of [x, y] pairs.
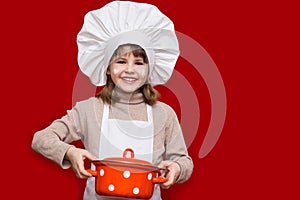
{"points": [[159, 180], [93, 172]]}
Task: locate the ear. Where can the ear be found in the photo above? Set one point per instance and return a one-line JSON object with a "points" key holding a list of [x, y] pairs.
{"points": [[108, 71]]}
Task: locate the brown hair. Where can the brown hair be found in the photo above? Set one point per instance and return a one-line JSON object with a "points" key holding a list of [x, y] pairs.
{"points": [[150, 94]]}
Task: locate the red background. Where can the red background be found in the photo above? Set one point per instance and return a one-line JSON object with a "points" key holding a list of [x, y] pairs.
{"points": [[255, 45]]}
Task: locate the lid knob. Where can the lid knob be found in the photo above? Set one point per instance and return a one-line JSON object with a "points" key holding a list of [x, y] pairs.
{"points": [[128, 151]]}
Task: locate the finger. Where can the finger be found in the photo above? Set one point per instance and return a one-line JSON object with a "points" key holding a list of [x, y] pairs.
{"points": [[164, 164], [164, 173], [84, 173], [169, 182], [89, 156], [81, 169], [166, 185], [170, 176]]}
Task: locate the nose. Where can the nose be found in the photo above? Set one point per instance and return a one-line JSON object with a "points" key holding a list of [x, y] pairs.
{"points": [[129, 68]]}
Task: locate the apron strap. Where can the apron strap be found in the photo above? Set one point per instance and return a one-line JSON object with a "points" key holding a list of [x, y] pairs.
{"points": [[149, 113], [105, 112]]}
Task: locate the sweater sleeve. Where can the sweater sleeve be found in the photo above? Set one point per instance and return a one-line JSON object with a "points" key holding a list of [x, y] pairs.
{"points": [[175, 147], [54, 141]]}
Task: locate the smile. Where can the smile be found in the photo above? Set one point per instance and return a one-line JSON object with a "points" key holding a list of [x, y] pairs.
{"points": [[129, 79]]}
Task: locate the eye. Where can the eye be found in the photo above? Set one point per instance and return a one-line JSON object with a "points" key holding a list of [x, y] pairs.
{"points": [[139, 63], [121, 62]]}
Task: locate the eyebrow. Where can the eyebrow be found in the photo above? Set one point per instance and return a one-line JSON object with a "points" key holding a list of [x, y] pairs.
{"points": [[135, 58]]}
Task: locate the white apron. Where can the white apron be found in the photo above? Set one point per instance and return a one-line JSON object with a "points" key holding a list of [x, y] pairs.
{"points": [[116, 136]]}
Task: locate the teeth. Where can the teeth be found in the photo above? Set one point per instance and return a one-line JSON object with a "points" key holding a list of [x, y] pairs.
{"points": [[129, 79]]}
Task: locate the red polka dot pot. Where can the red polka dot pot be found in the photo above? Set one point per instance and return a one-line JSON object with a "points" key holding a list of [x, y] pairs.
{"points": [[126, 177]]}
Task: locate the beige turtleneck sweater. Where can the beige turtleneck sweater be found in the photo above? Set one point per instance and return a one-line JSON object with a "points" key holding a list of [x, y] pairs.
{"points": [[83, 122]]}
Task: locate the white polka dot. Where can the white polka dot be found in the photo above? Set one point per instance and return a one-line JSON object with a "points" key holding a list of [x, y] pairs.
{"points": [[126, 174], [101, 172], [111, 187], [149, 176], [136, 190]]}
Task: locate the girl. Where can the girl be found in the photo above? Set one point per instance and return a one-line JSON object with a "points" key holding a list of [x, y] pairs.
{"points": [[125, 114]]}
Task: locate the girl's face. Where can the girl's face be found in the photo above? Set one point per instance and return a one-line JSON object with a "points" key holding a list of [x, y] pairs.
{"points": [[128, 72]]}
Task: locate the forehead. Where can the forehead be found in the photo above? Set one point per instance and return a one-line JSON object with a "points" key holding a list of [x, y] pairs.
{"points": [[126, 50]]}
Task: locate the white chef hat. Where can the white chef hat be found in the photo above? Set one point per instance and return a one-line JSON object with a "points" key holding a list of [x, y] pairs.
{"points": [[125, 22]]}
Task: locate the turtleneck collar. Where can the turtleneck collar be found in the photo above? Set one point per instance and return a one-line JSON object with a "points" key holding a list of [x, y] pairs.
{"points": [[119, 96]]}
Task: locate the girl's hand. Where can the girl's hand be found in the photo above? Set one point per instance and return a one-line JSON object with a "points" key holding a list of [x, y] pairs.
{"points": [[77, 156], [172, 175]]}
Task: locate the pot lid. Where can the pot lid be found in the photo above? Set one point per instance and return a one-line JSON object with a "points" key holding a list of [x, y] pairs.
{"points": [[125, 161]]}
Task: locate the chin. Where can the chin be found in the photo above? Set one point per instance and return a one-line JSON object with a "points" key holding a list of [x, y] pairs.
{"points": [[130, 88]]}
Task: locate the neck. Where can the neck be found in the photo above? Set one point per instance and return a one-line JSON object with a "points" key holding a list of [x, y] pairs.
{"points": [[119, 96]]}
